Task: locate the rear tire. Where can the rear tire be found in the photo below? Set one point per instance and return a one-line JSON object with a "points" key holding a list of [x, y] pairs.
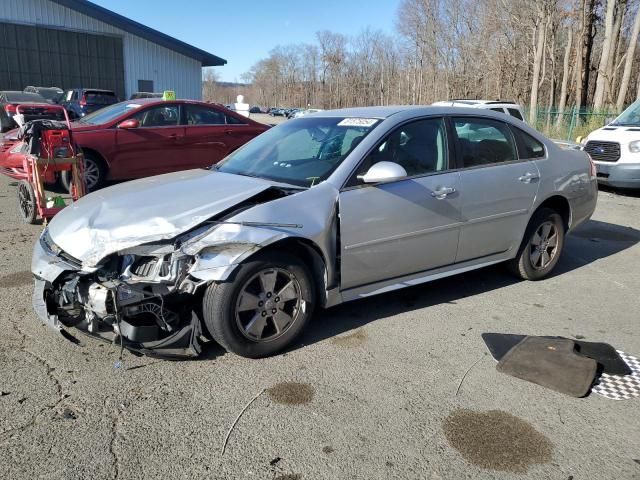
{"points": [[541, 248], [95, 174], [263, 309]]}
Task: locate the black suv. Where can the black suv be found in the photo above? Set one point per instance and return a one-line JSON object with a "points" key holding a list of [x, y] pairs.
{"points": [[80, 101]]}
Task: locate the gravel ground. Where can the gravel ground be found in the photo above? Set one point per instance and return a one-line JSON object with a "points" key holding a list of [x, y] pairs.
{"points": [[368, 393]]}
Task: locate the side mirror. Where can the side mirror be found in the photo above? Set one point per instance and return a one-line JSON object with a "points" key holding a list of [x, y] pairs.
{"points": [[383, 172], [128, 124]]}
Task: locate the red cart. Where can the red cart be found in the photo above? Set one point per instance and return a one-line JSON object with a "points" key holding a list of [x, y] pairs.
{"points": [[49, 148]]}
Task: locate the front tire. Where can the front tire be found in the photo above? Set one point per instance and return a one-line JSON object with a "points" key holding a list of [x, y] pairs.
{"points": [[95, 173], [263, 309], [542, 246]]}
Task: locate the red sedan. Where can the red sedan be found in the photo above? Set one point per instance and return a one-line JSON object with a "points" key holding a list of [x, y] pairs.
{"points": [[144, 137]]}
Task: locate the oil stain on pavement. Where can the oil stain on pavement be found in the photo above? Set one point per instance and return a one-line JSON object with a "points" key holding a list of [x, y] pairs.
{"points": [[496, 440], [354, 339], [291, 393], [17, 279]]}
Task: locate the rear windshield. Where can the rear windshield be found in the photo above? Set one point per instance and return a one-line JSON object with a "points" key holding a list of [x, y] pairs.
{"points": [[101, 98], [24, 97], [50, 93]]}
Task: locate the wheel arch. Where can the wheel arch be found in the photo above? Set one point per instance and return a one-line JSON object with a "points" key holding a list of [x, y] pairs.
{"points": [[311, 255], [96, 153], [561, 205]]}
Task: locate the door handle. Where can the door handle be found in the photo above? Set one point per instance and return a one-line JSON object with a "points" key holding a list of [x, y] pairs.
{"points": [[228, 132], [173, 136], [442, 192], [528, 177]]}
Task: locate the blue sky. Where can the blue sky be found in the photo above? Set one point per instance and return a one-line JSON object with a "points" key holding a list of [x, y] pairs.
{"points": [[243, 32]]}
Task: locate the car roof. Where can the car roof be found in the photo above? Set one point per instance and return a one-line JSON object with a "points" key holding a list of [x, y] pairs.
{"points": [[417, 110]]}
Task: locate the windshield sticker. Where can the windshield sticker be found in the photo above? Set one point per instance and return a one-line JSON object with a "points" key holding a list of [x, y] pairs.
{"points": [[358, 122]]}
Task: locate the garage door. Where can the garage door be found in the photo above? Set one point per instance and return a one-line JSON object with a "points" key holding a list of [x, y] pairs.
{"points": [[58, 58]]}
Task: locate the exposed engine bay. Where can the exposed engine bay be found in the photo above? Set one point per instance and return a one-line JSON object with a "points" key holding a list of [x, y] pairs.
{"points": [[143, 297]]}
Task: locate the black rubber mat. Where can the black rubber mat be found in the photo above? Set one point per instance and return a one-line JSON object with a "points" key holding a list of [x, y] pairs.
{"points": [[609, 361], [551, 363]]}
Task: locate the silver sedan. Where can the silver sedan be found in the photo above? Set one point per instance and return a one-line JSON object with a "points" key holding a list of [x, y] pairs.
{"points": [[324, 209]]}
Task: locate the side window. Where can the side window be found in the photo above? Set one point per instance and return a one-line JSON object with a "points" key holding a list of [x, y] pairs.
{"points": [[233, 120], [497, 109], [528, 147], [199, 115], [160, 116], [484, 142], [74, 95], [514, 112], [420, 147], [68, 95]]}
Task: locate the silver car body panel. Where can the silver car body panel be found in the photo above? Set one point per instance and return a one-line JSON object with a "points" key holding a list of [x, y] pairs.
{"points": [[366, 239]]}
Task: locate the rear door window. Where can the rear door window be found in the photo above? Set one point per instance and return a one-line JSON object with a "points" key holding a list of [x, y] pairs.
{"points": [[528, 147], [483, 141], [200, 115]]}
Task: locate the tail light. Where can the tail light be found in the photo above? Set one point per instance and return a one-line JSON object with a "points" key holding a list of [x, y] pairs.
{"points": [[83, 101], [10, 109]]}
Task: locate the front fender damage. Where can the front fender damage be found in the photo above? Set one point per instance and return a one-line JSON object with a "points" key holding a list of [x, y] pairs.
{"points": [[218, 253]]}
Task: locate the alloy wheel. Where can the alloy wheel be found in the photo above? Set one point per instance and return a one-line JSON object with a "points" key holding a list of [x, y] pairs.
{"points": [[544, 245], [268, 305], [91, 173]]}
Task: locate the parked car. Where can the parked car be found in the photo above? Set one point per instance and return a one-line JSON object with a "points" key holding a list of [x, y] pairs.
{"points": [[615, 148], [507, 107], [136, 95], [255, 109], [51, 94], [302, 113], [144, 137], [80, 101], [34, 107], [277, 112], [336, 206], [291, 112]]}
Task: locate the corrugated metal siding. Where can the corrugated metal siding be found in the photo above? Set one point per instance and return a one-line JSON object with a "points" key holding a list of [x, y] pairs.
{"points": [[143, 60]]}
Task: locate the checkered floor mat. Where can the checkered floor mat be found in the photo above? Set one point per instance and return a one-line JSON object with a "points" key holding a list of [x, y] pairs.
{"points": [[620, 387]]}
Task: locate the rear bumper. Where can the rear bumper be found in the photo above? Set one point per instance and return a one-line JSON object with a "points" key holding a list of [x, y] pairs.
{"points": [[619, 175]]}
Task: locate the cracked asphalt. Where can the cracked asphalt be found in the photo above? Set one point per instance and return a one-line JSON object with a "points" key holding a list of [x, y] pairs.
{"points": [[368, 393]]}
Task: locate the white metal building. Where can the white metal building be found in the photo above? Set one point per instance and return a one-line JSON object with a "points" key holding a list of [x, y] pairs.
{"points": [[77, 44]]}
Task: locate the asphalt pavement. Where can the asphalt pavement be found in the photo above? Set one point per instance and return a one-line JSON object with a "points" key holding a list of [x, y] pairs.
{"points": [[394, 386]]}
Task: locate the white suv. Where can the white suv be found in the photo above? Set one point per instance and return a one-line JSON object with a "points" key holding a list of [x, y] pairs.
{"points": [[615, 149], [502, 106]]}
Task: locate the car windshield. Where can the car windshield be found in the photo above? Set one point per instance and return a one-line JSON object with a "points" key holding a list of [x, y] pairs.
{"points": [[631, 116], [107, 114], [24, 97], [302, 152]]}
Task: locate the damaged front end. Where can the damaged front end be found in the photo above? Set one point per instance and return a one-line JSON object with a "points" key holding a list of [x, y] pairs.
{"points": [[141, 298]]}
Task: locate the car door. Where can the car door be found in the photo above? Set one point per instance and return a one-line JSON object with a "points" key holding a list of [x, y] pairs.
{"points": [[404, 226], [154, 147], [211, 134], [498, 188], [206, 137]]}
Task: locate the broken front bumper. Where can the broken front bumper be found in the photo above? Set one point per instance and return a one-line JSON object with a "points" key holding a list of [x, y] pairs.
{"points": [[48, 268]]}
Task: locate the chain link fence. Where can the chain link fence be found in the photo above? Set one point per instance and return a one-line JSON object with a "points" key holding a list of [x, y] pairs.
{"points": [[570, 123]]}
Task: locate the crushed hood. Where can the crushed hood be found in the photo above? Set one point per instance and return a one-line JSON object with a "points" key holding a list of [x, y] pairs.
{"points": [[147, 210]]}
